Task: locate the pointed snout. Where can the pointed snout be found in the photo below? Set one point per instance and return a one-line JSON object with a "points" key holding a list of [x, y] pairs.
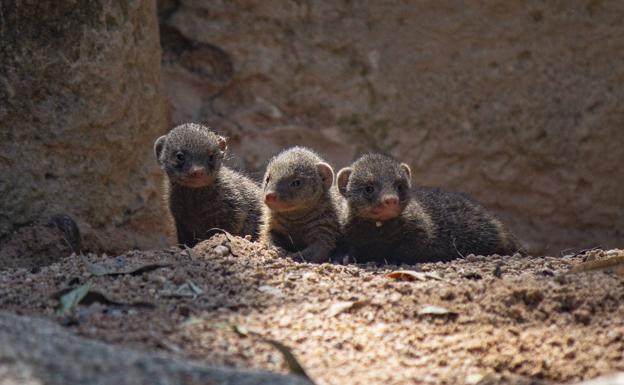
{"points": [[197, 172], [390, 200], [270, 197]]}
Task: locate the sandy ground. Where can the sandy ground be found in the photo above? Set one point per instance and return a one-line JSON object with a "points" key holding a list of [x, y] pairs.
{"points": [[494, 320]]}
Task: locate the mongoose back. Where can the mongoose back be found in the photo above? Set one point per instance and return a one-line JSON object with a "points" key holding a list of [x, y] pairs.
{"points": [[385, 219], [202, 193], [300, 213]]}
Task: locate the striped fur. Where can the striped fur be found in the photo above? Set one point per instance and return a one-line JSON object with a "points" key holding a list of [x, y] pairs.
{"points": [[432, 225], [309, 227], [218, 198]]}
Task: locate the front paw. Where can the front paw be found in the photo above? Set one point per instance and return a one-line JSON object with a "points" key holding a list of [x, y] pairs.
{"points": [[310, 256], [280, 251]]}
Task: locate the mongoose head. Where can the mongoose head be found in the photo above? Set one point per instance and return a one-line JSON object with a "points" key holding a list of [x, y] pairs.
{"points": [[376, 187], [296, 179], [190, 154]]}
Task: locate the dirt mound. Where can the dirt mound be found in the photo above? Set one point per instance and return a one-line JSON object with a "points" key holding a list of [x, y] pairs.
{"points": [[490, 320], [41, 243]]}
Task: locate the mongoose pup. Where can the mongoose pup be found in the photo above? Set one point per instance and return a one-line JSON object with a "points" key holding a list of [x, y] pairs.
{"points": [[385, 219], [201, 192], [300, 214]]}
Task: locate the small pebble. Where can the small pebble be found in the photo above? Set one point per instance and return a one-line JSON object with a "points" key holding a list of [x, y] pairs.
{"points": [[310, 276], [221, 251], [395, 297]]}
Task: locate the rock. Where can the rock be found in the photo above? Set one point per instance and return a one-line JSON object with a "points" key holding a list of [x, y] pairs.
{"points": [[35, 351], [221, 251], [516, 104], [614, 379], [41, 243], [80, 107]]}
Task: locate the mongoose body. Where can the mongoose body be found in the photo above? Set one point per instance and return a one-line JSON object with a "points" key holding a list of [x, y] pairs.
{"points": [[201, 193], [300, 214], [385, 219]]}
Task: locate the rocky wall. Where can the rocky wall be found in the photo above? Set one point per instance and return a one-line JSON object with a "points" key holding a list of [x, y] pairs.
{"points": [[520, 104], [80, 106]]}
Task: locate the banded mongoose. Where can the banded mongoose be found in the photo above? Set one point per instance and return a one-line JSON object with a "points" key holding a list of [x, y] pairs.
{"points": [[202, 193], [300, 214], [386, 220]]}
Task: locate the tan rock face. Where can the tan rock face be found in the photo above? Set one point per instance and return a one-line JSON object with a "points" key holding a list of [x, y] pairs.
{"points": [[520, 105], [80, 107]]}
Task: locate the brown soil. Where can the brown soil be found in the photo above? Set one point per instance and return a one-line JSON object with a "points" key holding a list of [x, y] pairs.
{"points": [[499, 319], [40, 243]]}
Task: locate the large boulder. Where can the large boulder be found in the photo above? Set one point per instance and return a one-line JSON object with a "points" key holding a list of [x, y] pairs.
{"points": [[35, 352], [519, 104], [80, 106]]}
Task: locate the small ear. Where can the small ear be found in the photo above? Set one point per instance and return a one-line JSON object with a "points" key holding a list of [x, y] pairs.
{"points": [[327, 173], [343, 179], [222, 143], [407, 169], [158, 146]]}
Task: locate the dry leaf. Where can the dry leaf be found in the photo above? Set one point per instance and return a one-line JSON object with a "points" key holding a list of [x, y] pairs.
{"points": [[615, 264], [434, 275], [187, 290], [101, 269], [293, 364], [437, 311], [69, 298], [343, 306], [411, 276], [240, 330], [407, 275], [339, 307], [272, 290]]}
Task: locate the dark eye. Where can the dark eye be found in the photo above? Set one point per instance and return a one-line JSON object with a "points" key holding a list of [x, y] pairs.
{"points": [[179, 156], [211, 158], [295, 183], [369, 189], [401, 186], [268, 178]]}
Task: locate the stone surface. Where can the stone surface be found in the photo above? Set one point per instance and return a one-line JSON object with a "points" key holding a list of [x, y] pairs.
{"points": [[615, 379], [519, 104], [35, 352], [80, 106]]}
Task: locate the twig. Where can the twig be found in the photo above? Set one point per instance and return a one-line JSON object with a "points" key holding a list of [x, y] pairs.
{"points": [[218, 230], [581, 252], [455, 246]]}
